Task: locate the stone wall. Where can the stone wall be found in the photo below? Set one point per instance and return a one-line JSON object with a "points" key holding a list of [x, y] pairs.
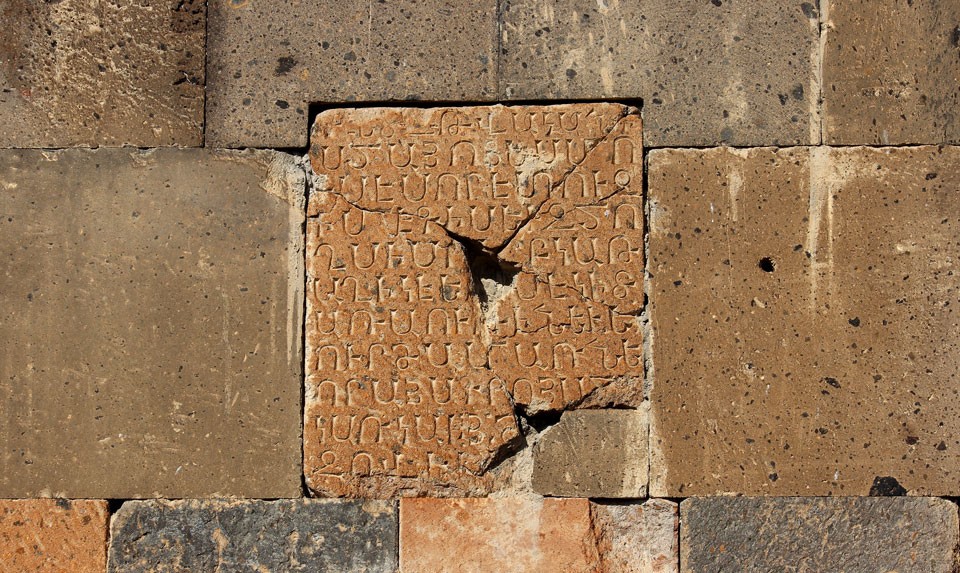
{"points": [[479, 286]]}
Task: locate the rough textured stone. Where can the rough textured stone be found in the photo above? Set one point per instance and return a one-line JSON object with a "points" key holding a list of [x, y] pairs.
{"points": [[85, 72], [150, 308], [743, 73], [593, 453], [789, 289], [891, 72], [53, 535], [254, 536], [267, 61], [818, 534], [433, 306], [521, 535], [637, 538]]}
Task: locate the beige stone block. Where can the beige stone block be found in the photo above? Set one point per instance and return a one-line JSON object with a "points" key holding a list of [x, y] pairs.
{"points": [[890, 72], [804, 320], [593, 453], [434, 305], [637, 538], [46, 535], [150, 308], [90, 73]]}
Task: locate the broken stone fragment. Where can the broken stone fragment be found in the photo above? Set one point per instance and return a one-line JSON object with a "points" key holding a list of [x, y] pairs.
{"points": [[593, 453], [422, 335]]}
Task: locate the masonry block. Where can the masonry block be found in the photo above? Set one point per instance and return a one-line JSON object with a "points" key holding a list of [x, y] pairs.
{"points": [[91, 73], [818, 534], [593, 453], [47, 535], [741, 73], [150, 308], [464, 262], [805, 321], [268, 60], [275, 536], [637, 538], [891, 72]]}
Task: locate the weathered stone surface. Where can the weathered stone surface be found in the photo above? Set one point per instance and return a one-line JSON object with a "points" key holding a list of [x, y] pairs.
{"points": [[84, 72], [637, 538], [267, 61], [593, 453], [890, 72], [742, 73], [818, 534], [53, 535], [522, 535], [255, 536], [150, 312], [790, 288], [433, 307]]}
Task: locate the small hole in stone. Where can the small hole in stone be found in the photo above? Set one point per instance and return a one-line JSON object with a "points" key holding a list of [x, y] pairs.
{"points": [[767, 265]]}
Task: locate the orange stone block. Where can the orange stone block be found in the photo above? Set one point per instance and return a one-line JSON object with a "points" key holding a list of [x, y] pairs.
{"points": [[47, 535]]}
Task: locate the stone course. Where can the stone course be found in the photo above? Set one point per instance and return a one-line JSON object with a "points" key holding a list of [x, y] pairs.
{"points": [[156, 295], [768, 336], [818, 534]]}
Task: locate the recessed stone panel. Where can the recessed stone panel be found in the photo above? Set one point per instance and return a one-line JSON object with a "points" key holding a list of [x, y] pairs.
{"points": [[741, 73], [92, 73], [804, 320], [434, 305], [150, 308]]}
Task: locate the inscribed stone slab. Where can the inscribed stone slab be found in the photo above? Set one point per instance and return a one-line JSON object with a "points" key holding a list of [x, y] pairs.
{"points": [[891, 72], [150, 313], [268, 60], [789, 289], [818, 534], [91, 73], [418, 352], [256, 536], [741, 73]]}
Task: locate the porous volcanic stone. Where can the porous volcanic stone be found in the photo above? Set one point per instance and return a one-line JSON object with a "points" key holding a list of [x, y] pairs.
{"points": [[508, 535], [637, 538], [268, 60], [818, 534], [86, 72], [891, 72], [593, 453], [150, 308], [742, 73], [53, 535], [805, 320], [256, 536], [434, 307]]}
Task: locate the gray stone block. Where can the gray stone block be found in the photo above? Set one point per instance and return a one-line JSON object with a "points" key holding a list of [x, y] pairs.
{"points": [[593, 453], [268, 60], [94, 73], [741, 73], [314, 536], [818, 534], [150, 312]]}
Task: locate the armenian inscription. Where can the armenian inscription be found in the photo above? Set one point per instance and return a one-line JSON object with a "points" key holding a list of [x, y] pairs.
{"points": [[414, 367]]}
